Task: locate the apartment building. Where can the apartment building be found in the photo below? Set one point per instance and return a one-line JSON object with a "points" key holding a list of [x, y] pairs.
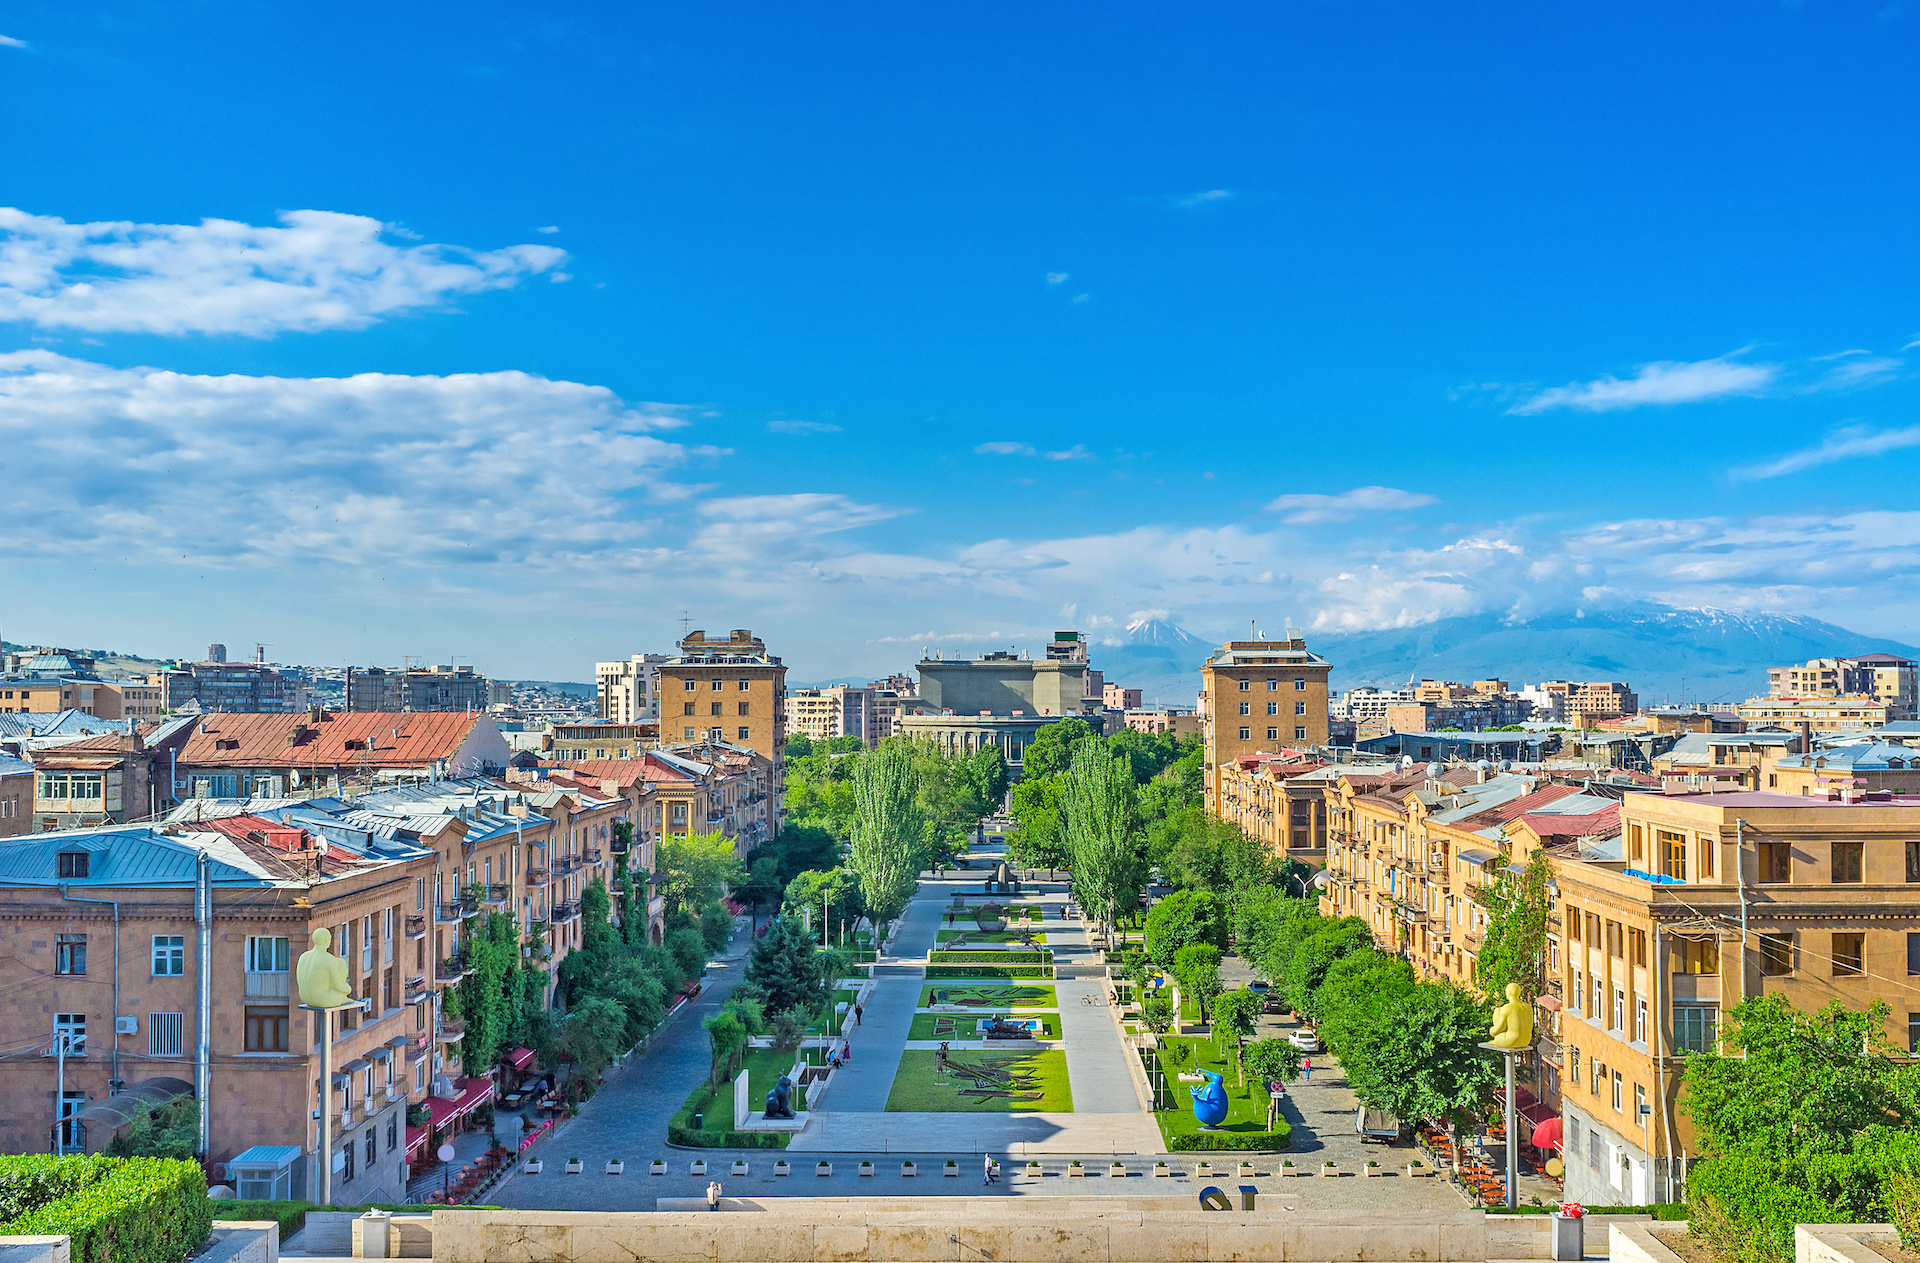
{"points": [[319, 752], [598, 739], [1282, 802], [629, 692], [111, 779], [730, 691], [233, 687], [1830, 714], [16, 796], [1118, 697], [1881, 677], [1364, 704], [1735, 760], [143, 954], [843, 710], [1260, 696], [394, 690], [1181, 723], [1718, 897]]}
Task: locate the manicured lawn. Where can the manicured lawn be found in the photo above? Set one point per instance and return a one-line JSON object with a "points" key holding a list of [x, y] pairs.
{"points": [[1246, 1105], [918, 1088], [998, 936], [962, 1025], [764, 1066], [991, 995]]}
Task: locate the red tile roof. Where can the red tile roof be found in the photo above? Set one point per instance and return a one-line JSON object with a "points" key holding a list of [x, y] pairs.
{"points": [[1605, 821], [337, 739]]}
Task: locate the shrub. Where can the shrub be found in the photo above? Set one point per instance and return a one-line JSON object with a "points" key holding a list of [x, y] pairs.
{"points": [[945, 956], [152, 1209], [1745, 1213], [989, 971], [1216, 1141]]}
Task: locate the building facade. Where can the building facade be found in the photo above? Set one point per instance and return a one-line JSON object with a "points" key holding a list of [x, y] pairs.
{"points": [[629, 692], [1881, 677], [730, 691], [444, 688], [233, 688], [1260, 696], [1832, 714]]}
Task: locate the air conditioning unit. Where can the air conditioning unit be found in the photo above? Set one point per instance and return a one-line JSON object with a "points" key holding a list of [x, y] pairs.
{"points": [[126, 1026]]}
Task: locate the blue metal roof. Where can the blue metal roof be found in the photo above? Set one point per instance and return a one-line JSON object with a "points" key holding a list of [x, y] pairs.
{"points": [[126, 855], [265, 1156]]}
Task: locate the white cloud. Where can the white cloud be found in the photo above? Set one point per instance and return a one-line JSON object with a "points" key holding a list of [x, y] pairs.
{"points": [[368, 470], [1665, 382], [1004, 448], [550, 228], [802, 427], [319, 270], [1842, 444], [1311, 510], [8, 41], [1203, 197], [1081, 298], [1077, 452], [1058, 278]]}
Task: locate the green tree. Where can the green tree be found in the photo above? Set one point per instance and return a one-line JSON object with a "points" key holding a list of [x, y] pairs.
{"points": [[1097, 795], [1234, 1015], [1157, 1012], [726, 1037], [1424, 1060], [486, 1002], [987, 770], [785, 965], [887, 847], [1315, 954], [799, 746], [1052, 749], [1271, 1059], [172, 1131], [589, 1037], [699, 867], [1197, 966], [1184, 917], [688, 949], [1038, 839], [834, 895], [762, 887], [1515, 948]]}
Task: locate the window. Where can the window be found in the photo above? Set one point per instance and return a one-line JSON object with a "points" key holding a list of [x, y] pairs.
{"points": [[1246, 708], [1636, 846], [718, 685], [1913, 860], [419, 894], [393, 1131], [346, 1155], [70, 954], [1573, 924], [1273, 708], [1640, 1104], [1273, 685], [1694, 1026], [73, 863], [1640, 1021], [714, 734], [687, 709], [1776, 955], [690, 685], [745, 708], [1673, 854], [73, 1135], [1593, 1150], [1299, 708], [1273, 734], [745, 685], [1776, 862], [1579, 992], [718, 709], [386, 936], [169, 955], [1700, 957], [373, 1147], [266, 955], [1246, 734], [1846, 861], [366, 940], [687, 732], [166, 1034], [1913, 953], [1299, 734], [1618, 1083], [1849, 955], [1573, 1066], [746, 733], [1599, 999], [1703, 849], [266, 1030], [1637, 946], [1245, 685], [1299, 683], [1619, 1008], [71, 1027]]}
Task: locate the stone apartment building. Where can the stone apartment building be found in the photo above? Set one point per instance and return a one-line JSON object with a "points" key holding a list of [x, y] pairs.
{"points": [[16, 796], [1880, 677], [317, 752], [416, 688], [843, 710], [1260, 696], [107, 779], [1181, 723], [599, 739], [1282, 802], [165, 952], [1829, 714], [629, 692], [730, 691], [233, 687]]}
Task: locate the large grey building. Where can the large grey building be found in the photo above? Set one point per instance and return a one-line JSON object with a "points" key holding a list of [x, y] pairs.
{"points": [[1000, 699], [440, 688]]}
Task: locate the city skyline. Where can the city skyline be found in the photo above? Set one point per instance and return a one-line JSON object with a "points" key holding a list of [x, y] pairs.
{"points": [[905, 330]]}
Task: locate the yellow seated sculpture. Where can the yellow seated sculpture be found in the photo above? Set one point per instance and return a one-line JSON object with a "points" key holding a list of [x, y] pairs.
{"points": [[1512, 1021], [322, 975]]}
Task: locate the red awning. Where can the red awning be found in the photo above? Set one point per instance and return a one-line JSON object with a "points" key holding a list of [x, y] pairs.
{"points": [[520, 1058], [441, 1111], [416, 1139], [1539, 1112], [1524, 1096], [1547, 1135], [473, 1092]]}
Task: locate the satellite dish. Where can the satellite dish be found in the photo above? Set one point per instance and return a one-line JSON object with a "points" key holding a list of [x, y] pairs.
{"points": [[1506, 765], [1436, 770], [1484, 765], [1406, 760], [1320, 880]]}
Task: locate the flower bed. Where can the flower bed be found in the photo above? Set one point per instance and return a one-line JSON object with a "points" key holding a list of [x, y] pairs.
{"points": [[989, 971]]}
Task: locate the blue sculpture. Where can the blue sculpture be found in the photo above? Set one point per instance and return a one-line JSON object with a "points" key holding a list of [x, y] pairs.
{"points": [[1209, 1101]]}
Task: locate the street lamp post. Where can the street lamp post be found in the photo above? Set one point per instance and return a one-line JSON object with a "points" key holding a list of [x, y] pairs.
{"points": [[446, 1170]]}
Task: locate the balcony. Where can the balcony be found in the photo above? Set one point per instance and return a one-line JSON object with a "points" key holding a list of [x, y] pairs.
{"points": [[451, 970], [416, 1053], [268, 986], [563, 912], [498, 895], [449, 1031], [536, 878], [395, 1093], [417, 990], [448, 913], [593, 856], [469, 908], [417, 926]]}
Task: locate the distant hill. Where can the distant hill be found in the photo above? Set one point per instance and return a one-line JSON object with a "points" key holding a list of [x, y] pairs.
{"points": [[1714, 655]]}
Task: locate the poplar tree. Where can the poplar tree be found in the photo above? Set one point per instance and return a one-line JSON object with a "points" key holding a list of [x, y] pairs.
{"points": [[888, 846], [1098, 817]]}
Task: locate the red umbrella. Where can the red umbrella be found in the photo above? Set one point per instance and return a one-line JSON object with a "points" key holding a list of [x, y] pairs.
{"points": [[1547, 1135]]}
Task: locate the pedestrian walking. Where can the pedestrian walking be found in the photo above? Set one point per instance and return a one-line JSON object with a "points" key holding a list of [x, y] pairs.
{"points": [[1306, 1067], [986, 1173], [713, 1195], [859, 1014]]}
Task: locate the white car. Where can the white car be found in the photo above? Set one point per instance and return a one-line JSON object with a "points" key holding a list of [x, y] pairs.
{"points": [[1305, 1040]]}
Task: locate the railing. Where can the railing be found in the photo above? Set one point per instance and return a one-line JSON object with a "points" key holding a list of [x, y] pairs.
{"points": [[267, 986], [452, 969], [447, 913], [594, 855], [448, 1031], [565, 912], [469, 908], [415, 1053], [536, 876], [416, 989], [498, 894], [416, 926]]}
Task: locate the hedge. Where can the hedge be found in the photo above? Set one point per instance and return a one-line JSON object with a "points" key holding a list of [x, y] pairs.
{"points": [[154, 1210], [1216, 1141], [943, 956], [1744, 1212], [30, 1181], [989, 971]]}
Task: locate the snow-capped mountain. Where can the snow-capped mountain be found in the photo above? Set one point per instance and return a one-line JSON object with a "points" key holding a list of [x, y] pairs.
{"points": [[1664, 652]]}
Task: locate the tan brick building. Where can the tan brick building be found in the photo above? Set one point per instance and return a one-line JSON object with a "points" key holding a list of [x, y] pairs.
{"points": [[728, 690], [1260, 697]]}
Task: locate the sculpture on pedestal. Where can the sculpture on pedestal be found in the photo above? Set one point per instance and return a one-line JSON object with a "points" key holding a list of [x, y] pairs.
{"points": [[322, 975], [1512, 1021], [780, 1099], [1209, 1101]]}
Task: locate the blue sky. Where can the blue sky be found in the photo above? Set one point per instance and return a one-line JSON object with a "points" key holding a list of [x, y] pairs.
{"points": [[490, 331]]}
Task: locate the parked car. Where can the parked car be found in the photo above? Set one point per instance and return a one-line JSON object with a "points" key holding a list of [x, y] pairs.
{"points": [[1305, 1039], [1370, 1123], [1258, 986], [1274, 1004]]}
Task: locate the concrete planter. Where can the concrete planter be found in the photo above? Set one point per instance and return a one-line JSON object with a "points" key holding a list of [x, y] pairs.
{"points": [[1569, 1236], [823, 1168], [782, 1168], [616, 1167], [533, 1166], [1118, 1170], [575, 1166], [1244, 1170], [1076, 1171], [866, 1168], [1328, 1170], [1287, 1169], [697, 1167], [656, 1167], [1161, 1171], [1415, 1170], [1370, 1170], [1204, 1169], [1033, 1171], [908, 1170], [739, 1168], [951, 1170]]}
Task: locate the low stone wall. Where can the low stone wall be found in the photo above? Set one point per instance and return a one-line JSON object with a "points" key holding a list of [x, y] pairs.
{"points": [[243, 1241], [1842, 1243], [1028, 1230], [36, 1249]]}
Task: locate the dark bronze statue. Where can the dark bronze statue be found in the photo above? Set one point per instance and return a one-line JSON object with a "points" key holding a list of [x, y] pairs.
{"points": [[780, 1099]]}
